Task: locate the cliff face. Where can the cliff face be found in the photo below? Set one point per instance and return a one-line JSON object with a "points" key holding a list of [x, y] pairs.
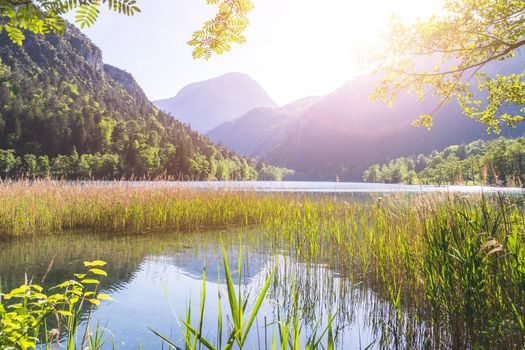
{"points": [[126, 80], [73, 52], [85, 48]]}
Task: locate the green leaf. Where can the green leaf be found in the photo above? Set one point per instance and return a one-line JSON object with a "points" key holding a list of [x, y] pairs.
{"points": [[90, 281], [94, 263], [94, 301], [199, 336], [104, 297], [258, 303], [164, 339], [98, 272], [234, 306], [15, 34], [425, 121]]}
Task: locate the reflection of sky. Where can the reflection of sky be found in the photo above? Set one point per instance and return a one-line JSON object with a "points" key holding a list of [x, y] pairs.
{"points": [[158, 295], [319, 187], [152, 280], [193, 261]]}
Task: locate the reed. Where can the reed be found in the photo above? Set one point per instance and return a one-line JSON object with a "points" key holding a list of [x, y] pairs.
{"points": [[289, 329], [455, 263]]}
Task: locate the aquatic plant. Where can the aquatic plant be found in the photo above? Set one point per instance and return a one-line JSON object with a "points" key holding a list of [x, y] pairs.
{"points": [[26, 313], [454, 263], [289, 329], [29, 208]]}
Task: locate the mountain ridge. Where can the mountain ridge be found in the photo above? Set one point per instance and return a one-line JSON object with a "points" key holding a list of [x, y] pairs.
{"points": [[258, 126], [209, 103], [342, 133]]}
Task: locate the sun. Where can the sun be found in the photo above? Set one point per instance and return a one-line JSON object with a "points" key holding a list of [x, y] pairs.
{"points": [[317, 44], [361, 21]]}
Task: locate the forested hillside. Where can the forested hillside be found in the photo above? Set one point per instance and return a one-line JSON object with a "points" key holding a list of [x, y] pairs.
{"points": [[64, 113], [496, 162]]}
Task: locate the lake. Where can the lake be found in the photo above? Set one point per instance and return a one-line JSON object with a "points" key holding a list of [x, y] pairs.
{"points": [[154, 277], [313, 186]]}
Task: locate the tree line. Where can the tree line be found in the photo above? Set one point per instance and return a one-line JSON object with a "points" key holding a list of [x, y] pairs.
{"points": [[497, 162], [106, 166]]}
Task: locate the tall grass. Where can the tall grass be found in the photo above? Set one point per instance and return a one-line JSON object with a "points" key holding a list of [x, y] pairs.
{"points": [[456, 263], [451, 268], [38, 207], [289, 329]]}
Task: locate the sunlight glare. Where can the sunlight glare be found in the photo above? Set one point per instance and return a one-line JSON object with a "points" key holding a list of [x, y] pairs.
{"points": [[324, 40]]}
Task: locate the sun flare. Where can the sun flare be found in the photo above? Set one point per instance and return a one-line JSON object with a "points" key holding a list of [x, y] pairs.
{"points": [[322, 40]]}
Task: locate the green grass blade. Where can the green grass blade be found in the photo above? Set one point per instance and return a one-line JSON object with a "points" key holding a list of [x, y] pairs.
{"points": [[203, 302], [219, 310], [239, 291], [234, 306], [258, 303], [164, 339], [199, 336]]}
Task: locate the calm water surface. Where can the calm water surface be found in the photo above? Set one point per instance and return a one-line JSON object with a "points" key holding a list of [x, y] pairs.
{"points": [[154, 278], [314, 186]]}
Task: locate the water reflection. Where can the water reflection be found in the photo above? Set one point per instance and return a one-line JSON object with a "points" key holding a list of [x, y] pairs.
{"points": [[153, 278]]}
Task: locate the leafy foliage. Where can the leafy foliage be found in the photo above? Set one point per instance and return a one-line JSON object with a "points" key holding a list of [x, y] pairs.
{"points": [[217, 34], [26, 311], [443, 55], [46, 16]]}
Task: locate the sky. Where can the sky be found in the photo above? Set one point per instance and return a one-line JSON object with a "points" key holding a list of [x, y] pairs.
{"points": [[295, 48]]}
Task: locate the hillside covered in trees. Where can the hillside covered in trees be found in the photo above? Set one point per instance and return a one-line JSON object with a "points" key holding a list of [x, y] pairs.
{"points": [[65, 114], [496, 162]]}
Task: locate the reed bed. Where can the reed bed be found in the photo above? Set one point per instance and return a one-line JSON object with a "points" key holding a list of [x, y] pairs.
{"points": [[28, 208], [453, 264]]}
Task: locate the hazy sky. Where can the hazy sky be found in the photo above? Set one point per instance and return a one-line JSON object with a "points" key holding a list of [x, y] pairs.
{"points": [[295, 48]]}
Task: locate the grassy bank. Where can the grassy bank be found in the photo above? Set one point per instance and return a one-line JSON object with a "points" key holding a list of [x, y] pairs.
{"points": [[452, 268]]}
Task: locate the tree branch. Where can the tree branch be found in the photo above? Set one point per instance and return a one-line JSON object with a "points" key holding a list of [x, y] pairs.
{"points": [[508, 50]]}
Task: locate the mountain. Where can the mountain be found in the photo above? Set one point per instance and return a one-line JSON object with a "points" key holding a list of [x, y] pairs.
{"points": [[342, 134], [65, 113], [251, 133], [207, 104]]}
